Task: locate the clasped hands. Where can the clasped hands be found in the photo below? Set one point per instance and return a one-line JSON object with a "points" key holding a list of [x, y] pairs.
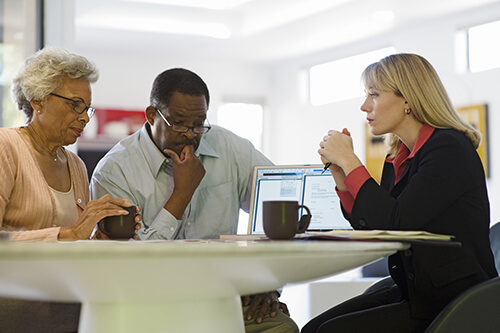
{"points": [[337, 149], [261, 304]]}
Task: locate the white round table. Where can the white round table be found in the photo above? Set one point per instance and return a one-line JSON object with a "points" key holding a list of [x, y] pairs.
{"points": [[170, 286]]}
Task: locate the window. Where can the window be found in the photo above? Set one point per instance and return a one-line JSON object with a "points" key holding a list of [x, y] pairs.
{"points": [[20, 36], [483, 50], [340, 79], [244, 120]]}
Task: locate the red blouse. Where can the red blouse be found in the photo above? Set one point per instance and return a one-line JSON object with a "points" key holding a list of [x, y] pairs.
{"points": [[356, 178]]}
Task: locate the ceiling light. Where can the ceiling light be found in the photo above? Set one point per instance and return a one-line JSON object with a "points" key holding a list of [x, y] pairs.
{"points": [[383, 16], [215, 30], [207, 4]]}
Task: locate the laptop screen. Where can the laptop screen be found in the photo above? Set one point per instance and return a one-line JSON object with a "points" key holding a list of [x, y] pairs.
{"points": [[302, 183]]}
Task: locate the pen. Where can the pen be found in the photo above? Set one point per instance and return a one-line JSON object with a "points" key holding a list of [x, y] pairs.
{"points": [[327, 165]]}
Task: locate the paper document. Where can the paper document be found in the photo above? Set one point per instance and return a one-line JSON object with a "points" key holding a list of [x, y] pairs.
{"points": [[379, 234], [395, 235]]}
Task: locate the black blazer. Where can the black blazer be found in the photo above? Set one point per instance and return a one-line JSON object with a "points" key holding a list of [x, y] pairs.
{"points": [[442, 190]]}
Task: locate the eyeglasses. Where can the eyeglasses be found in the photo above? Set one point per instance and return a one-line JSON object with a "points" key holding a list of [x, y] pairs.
{"points": [[199, 129], [78, 106]]}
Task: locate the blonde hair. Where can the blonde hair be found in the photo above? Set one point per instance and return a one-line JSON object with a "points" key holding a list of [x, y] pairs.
{"points": [[413, 77], [44, 72]]}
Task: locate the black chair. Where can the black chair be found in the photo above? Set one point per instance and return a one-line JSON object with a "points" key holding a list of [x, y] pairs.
{"points": [[475, 310], [18, 315], [495, 244], [378, 268], [387, 281]]}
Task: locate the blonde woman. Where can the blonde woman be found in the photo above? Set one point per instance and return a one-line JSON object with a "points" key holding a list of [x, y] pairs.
{"points": [[432, 180]]}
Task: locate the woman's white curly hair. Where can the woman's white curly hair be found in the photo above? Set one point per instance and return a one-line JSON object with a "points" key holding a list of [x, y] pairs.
{"points": [[44, 72]]}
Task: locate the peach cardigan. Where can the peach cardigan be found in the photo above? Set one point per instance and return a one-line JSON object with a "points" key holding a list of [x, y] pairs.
{"points": [[27, 206]]}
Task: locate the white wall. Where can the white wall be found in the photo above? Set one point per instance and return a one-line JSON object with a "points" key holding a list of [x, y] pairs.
{"points": [[125, 80], [293, 128]]}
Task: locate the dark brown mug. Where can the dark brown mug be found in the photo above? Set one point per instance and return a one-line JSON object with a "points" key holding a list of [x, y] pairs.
{"points": [[281, 219], [119, 227]]}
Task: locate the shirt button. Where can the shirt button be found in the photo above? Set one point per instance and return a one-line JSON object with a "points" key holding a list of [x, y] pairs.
{"points": [[362, 223], [189, 223], [411, 276], [172, 229], [408, 253], [79, 200]]}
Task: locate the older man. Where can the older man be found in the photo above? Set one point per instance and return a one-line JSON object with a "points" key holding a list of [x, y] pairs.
{"points": [[189, 178]]}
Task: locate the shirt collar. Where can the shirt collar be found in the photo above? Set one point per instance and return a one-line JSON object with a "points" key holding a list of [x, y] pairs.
{"points": [[152, 154], [424, 135], [405, 154], [205, 148]]}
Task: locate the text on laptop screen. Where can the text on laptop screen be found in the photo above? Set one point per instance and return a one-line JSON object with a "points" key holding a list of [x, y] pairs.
{"points": [[304, 184]]}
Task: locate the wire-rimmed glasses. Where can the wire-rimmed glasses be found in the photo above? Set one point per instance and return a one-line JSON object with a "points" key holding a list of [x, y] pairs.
{"points": [[78, 106], [199, 129]]}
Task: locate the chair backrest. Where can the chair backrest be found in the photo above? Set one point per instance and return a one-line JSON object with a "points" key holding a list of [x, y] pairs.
{"points": [[476, 310], [495, 243]]}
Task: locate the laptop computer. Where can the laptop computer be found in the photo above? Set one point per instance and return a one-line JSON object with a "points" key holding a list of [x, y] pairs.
{"points": [[302, 183]]}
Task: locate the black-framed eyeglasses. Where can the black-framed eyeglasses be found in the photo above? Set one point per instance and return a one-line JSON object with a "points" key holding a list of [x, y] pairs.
{"points": [[78, 106], [199, 129]]}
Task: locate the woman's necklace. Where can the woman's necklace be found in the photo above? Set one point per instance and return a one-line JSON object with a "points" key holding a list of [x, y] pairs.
{"points": [[42, 146]]}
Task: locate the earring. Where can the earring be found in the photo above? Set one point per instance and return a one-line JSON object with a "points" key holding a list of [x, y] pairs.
{"points": [[407, 111]]}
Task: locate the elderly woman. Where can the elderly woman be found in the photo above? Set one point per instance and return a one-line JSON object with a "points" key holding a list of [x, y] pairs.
{"points": [[44, 188]]}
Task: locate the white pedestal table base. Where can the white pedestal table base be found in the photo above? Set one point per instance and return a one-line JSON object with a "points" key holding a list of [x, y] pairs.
{"points": [[208, 316]]}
